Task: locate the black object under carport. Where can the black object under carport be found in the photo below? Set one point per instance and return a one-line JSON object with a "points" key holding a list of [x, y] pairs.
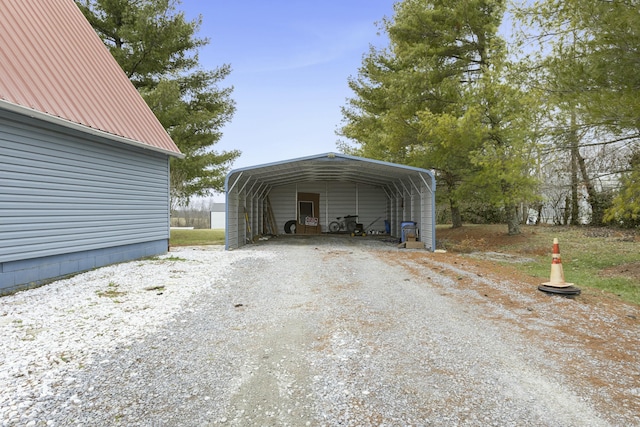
{"points": [[290, 226]]}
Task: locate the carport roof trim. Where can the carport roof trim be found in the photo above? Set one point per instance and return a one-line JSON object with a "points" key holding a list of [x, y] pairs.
{"points": [[381, 173]]}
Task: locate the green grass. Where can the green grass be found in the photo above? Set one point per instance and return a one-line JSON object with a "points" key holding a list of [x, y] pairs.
{"points": [[196, 237], [111, 292], [586, 253], [584, 260]]}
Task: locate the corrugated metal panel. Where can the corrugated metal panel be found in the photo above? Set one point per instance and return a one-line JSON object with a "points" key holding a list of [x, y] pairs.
{"points": [[428, 228], [54, 200], [283, 203], [52, 62], [372, 204], [346, 184], [336, 200], [342, 200], [324, 167], [232, 238]]}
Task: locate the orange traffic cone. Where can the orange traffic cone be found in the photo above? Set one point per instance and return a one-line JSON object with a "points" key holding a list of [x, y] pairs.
{"points": [[556, 283], [557, 274]]}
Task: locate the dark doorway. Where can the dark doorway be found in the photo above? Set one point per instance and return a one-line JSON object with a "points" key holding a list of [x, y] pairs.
{"points": [[308, 213]]}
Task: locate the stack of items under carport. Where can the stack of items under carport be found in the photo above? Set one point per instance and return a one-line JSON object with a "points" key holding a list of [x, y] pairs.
{"points": [[410, 237]]}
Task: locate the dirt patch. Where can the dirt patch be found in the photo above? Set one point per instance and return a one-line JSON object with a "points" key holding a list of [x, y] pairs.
{"points": [[489, 237], [630, 270], [499, 256], [492, 242], [595, 327]]}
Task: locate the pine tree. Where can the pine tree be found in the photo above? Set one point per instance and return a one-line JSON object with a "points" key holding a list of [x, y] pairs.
{"points": [[437, 98], [157, 47]]}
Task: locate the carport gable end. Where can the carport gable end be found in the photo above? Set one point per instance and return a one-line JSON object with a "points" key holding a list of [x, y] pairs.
{"points": [[263, 197]]}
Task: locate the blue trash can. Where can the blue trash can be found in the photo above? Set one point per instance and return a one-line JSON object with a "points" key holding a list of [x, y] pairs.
{"points": [[387, 226], [408, 227]]}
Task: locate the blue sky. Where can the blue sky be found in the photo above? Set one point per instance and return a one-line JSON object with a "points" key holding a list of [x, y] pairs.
{"points": [[290, 64]]}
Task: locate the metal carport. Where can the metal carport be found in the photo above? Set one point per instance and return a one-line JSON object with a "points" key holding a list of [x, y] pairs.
{"points": [[386, 193]]}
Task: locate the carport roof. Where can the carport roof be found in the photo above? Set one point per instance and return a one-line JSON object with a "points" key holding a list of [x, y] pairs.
{"points": [[329, 167]]}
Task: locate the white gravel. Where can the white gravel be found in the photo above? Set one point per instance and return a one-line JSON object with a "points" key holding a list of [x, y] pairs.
{"points": [[289, 332]]}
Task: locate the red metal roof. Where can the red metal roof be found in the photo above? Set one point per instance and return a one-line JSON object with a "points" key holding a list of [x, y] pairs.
{"points": [[53, 62]]}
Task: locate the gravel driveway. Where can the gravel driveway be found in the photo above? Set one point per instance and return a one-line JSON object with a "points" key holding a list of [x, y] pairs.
{"points": [[309, 332]]}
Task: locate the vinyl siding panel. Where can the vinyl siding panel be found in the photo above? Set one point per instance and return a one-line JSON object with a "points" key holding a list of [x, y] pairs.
{"points": [[23, 274], [61, 193]]}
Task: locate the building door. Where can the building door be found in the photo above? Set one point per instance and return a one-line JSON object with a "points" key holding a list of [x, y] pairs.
{"points": [[308, 213]]}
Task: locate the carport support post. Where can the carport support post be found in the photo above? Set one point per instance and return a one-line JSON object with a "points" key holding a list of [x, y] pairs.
{"points": [[295, 208], [397, 211], [262, 199], [326, 206], [357, 199], [430, 208], [251, 219]]}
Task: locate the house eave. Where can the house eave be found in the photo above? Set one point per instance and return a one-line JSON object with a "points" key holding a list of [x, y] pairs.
{"points": [[29, 112]]}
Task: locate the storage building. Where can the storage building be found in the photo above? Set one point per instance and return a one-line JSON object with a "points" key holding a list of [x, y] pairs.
{"points": [[306, 195], [84, 163]]}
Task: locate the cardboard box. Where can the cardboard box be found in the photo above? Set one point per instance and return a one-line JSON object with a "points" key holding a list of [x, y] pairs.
{"points": [[308, 229], [414, 245]]}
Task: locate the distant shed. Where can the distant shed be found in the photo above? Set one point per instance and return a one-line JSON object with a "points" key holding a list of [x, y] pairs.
{"points": [[218, 216], [84, 163], [324, 187]]}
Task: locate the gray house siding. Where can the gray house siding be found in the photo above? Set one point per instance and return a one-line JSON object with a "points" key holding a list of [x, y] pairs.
{"points": [[68, 203]]}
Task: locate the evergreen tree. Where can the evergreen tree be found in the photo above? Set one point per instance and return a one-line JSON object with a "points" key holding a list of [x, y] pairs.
{"points": [[157, 46], [435, 98]]}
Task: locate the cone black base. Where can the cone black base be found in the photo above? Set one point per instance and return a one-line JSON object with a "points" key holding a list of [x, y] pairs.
{"points": [[568, 290]]}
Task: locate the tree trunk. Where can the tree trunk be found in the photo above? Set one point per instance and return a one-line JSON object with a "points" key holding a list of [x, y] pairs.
{"points": [[539, 218], [575, 153], [456, 217], [513, 223], [597, 207]]}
